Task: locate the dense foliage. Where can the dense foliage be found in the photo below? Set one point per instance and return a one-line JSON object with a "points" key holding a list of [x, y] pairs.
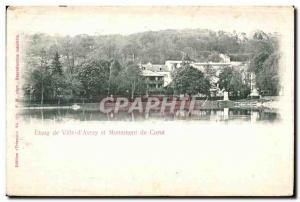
{"points": [[191, 81], [232, 81], [87, 66]]}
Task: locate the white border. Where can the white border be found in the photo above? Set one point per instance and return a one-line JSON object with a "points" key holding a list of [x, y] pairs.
{"points": [[3, 3]]}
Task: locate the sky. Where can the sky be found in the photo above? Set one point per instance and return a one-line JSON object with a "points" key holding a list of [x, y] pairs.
{"points": [[127, 20]]}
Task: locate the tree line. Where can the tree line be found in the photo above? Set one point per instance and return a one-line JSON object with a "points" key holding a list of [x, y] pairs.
{"points": [[64, 68]]}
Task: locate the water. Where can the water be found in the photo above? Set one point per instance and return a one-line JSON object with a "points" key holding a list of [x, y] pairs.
{"points": [[212, 115]]}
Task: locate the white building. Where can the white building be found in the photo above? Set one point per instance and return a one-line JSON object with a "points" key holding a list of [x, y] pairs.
{"points": [[173, 64], [159, 75]]}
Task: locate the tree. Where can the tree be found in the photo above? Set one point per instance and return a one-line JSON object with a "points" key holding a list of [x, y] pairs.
{"points": [[73, 86], [225, 78], [231, 81], [260, 35], [265, 63], [209, 72], [40, 78], [115, 69], [94, 76], [130, 80], [57, 78], [267, 78], [214, 57], [257, 61], [56, 67], [189, 80]]}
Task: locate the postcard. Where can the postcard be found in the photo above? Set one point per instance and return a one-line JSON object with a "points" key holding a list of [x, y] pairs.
{"points": [[150, 101]]}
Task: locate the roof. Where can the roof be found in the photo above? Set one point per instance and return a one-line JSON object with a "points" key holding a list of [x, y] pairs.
{"points": [[151, 73], [211, 63], [155, 67], [173, 61]]}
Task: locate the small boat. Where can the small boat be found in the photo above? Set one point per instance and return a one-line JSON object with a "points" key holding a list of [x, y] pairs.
{"points": [[75, 107]]}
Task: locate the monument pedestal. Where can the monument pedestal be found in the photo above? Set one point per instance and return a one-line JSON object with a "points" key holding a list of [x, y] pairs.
{"points": [[226, 98], [254, 94]]}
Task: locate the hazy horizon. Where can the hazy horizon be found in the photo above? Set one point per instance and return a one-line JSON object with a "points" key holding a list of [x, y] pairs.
{"points": [[130, 20]]}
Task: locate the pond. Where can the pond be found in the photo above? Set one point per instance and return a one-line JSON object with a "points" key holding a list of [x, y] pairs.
{"points": [[213, 115]]}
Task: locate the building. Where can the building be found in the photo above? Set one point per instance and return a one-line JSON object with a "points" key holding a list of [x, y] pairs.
{"points": [[159, 75], [173, 64]]}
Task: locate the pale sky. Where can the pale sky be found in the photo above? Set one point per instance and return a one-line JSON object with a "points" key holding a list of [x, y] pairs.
{"points": [[127, 20]]}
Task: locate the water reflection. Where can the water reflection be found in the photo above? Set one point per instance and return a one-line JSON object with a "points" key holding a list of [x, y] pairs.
{"points": [[216, 115]]}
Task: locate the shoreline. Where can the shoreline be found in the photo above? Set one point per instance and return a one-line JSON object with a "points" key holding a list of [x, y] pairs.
{"points": [[199, 105]]}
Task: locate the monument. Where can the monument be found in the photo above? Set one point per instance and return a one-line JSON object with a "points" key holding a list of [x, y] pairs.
{"points": [[225, 96], [254, 93]]}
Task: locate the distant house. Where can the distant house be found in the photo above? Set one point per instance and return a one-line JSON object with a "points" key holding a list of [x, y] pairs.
{"points": [[159, 75], [225, 58], [173, 64]]}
